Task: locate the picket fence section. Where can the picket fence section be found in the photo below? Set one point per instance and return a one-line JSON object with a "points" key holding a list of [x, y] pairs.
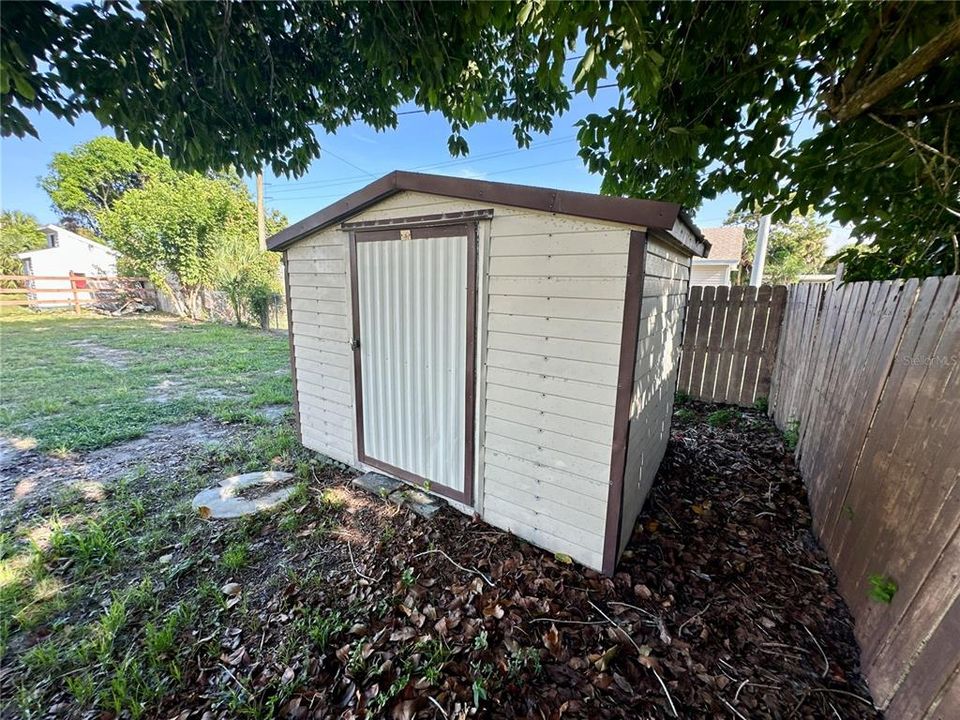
{"points": [[868, 375], [730, 343]]}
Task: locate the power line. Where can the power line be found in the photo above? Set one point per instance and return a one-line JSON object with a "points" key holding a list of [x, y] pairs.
{"points": [[355, 167], [483, 157], [311, 196]]}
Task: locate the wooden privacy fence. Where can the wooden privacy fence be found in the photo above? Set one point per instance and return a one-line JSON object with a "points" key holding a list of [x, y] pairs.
{"points": [[869, 375], [72, 291], [730, 342]]}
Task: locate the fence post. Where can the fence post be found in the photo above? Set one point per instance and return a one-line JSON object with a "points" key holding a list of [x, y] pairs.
{"points": [[73, 289]]}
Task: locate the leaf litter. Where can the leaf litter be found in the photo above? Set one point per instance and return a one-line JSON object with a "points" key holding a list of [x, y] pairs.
{"points": [[723, 605]]}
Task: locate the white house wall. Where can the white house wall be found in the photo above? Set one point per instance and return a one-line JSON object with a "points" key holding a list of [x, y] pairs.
{"points": [[74, 254], [665, 286], [707, 273]]}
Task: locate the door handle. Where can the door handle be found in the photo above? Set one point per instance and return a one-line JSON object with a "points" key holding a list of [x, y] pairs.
{"points": [[355, 344]]}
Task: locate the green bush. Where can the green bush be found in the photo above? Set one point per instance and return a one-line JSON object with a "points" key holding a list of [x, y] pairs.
{"points": [[258, 301]]}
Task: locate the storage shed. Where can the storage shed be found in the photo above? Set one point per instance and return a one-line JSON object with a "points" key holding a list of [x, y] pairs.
{"points": [[511, 348]]}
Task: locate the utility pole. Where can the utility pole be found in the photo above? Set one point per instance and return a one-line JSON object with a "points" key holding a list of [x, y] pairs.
{"points": [[760, 255], [261, 217], [763, 232]]}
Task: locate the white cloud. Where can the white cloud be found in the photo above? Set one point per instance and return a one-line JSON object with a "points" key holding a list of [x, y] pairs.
{"points": [[469, 173]]}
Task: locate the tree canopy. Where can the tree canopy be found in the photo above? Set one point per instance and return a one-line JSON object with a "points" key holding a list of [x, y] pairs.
{"points": [[843, 107], [195, 230], [88, 180], [19, 232]]}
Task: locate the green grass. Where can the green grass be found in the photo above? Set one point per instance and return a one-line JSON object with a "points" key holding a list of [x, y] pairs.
{"points": [[882, 589], [791, 435], [69, 397], [92, 611], [106, 598], [723, 418]]}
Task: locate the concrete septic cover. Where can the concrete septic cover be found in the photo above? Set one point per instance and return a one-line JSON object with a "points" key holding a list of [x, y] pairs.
{"points": [[225, 502]]}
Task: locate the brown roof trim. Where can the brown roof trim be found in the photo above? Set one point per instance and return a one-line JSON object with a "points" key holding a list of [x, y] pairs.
{"points": [[641, 213]]}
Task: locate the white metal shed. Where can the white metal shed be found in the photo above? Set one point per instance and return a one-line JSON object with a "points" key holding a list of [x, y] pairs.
{"points": [[511, 348]]}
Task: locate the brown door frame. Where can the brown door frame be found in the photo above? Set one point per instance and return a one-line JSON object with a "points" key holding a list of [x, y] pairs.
{"points": [[413, 229]]}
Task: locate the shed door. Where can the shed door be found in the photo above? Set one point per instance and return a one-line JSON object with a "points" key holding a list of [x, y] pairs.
{"points": [[414, 310]]}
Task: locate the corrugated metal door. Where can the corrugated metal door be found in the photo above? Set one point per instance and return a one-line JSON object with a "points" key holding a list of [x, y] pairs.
{"points": [[413, 317]]}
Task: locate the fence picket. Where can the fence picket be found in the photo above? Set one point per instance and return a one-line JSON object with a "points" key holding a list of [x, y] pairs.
{"points": [[727, 342]]}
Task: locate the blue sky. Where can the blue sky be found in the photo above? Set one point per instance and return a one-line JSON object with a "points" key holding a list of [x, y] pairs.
{"points": [[355, 156]]}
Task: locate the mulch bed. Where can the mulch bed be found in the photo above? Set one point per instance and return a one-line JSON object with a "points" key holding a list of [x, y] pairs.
{"points": [[724, 605]]}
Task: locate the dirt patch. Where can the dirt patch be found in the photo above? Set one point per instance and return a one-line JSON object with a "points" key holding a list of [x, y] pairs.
{"points": [[171, 390], [113, 357], [273, 413], [29, 479]]}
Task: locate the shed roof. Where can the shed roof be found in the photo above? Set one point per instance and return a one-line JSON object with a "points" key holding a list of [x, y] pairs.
{"points": [[653, 214], [726, 243]]}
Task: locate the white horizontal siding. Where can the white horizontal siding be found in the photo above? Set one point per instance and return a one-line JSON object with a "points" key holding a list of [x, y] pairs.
{"points": [[549, 362], [665, 282], [556, 298], [715, 274], [319, 299]]}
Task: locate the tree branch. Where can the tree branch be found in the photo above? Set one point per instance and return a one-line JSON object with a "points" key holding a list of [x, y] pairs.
{"points": [[918, 63], [866, 53], [912, 140]]}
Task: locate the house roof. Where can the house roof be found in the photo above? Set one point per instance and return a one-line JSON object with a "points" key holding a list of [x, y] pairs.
{"points": [[653, 214], [63, 231], [726, 243]]}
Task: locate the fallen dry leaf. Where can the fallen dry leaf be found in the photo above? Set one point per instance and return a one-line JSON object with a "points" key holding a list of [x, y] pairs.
{"points": [[552, 641]]}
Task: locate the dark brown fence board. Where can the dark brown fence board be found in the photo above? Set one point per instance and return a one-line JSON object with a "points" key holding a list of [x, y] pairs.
{"points": [[872, 372], [691, 325], [711, 366], [932, 668], [771, 340], [727, 340], [699, 355]]}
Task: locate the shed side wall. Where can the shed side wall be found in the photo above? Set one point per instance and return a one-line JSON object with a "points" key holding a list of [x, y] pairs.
{"points": [[665, 287], [317, 275], [554, 325]]}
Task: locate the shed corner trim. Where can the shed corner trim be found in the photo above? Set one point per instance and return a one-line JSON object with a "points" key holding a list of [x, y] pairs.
{"points": [[633, 299]]}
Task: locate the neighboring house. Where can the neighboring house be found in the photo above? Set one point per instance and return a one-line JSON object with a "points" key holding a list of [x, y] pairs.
{"points": [[726, 246], [66, 253], [512, 348]]}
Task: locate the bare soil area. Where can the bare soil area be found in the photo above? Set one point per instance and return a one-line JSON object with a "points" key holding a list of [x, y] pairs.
{"points": [[30, 480]]}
